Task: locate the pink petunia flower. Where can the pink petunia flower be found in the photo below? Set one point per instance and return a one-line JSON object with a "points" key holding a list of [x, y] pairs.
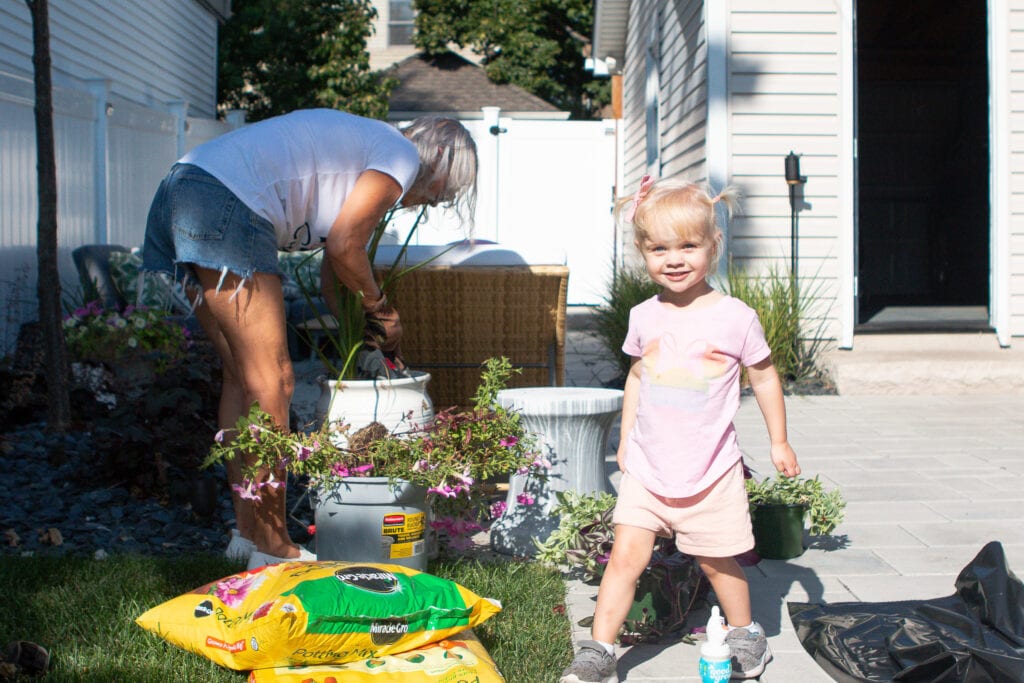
{"points": [[509, 441], [525, 498]]}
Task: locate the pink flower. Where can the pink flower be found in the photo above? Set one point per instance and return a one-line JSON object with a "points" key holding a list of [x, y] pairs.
{"points": [[542, 462], [509, 441], [247, 491], [498, 509], [233, 590], [443, 490], [220, 436], [255, 431], [525, 498], [302, 452]]}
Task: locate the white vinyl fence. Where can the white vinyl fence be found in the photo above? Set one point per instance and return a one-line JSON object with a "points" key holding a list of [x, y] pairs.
{"points": [[111, 155], [541, 183]]}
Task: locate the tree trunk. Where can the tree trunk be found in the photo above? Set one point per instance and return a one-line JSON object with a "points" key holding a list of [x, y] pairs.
{"points": [[48, 282]]}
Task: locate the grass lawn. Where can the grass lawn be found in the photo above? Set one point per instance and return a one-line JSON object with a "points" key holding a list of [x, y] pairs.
{"points": [[84, 612]]}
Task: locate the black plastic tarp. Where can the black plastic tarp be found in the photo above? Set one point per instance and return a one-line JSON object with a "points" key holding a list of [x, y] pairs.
{"points": [[975, 635]]}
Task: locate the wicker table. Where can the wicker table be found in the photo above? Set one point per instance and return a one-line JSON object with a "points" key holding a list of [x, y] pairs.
{"points": [[573, 424]]}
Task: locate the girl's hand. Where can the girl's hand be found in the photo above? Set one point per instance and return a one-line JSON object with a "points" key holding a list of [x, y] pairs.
{"points": [[784, 459]]}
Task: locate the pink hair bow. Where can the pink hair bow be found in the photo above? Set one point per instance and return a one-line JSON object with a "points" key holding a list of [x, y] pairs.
{"points": [[641, 193]]}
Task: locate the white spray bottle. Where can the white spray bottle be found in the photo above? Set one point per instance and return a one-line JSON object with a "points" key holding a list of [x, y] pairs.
{"points": [[715, 657]]}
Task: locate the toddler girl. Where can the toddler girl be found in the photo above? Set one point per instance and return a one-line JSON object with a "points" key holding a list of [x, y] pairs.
{"points": [[682, 467]]}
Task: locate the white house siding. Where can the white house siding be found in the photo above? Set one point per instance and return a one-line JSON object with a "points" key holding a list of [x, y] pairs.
{"points": [[784, 95], [1016, 241], [123, 72], [153, 52]]}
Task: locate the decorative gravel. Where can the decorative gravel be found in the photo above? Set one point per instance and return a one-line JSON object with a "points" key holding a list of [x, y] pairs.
{"points": [[46, 486]]}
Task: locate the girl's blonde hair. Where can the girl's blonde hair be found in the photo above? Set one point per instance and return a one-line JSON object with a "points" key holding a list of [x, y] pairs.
{"points": [[687, 207]]}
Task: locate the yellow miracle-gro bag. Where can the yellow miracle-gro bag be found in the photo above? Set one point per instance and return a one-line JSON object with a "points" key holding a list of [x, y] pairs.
{"points": [[301, 613], [459, 659]]}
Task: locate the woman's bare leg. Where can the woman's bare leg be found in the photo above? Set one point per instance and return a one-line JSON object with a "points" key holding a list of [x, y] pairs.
{"points": [[247, 326]]}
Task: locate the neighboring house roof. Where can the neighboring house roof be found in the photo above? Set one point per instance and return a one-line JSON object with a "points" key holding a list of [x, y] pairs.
{"points": [[452, 85], [610, 20]]}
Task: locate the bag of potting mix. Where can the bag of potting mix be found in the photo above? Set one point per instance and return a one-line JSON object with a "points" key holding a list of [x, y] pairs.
{"points": [[302, 613], [459, 658]]}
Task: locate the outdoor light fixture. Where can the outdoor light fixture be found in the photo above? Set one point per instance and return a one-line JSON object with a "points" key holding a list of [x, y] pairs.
{"points": [[793, 178]]}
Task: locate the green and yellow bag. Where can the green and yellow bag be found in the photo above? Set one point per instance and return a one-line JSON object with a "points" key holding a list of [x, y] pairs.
{"points": [[302, 613], [459, 658]]}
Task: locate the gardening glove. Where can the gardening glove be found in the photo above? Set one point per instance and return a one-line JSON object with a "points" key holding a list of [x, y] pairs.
{"points": [[373, 364], [384, 330]]}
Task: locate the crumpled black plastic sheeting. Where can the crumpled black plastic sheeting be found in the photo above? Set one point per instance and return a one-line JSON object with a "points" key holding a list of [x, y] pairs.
{"points": [[973, 636]]}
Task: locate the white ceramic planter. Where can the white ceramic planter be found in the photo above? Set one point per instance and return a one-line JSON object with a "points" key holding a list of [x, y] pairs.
{"points": [[399, 404]]}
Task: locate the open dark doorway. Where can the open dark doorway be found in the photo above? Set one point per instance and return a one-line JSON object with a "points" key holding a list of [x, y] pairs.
{"points": [[923, 165]]}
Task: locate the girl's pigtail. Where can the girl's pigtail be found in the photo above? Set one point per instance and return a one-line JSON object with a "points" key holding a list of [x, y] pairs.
{"points": [[730, 198]]}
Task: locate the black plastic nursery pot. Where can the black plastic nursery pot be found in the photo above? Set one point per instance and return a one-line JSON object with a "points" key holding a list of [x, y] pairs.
{"points": [[778, 530]]}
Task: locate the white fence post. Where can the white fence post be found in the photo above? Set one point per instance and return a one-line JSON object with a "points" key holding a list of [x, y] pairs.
{"points": [[99, 88]]}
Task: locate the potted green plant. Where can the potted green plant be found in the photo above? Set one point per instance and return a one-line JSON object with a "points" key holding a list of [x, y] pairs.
{"points": [[446, 461], [667, 591], [345, 331], [779, 507]]}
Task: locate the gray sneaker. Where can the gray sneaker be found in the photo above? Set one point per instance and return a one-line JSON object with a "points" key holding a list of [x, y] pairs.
{"points": [[750, 652], [592, 664]]}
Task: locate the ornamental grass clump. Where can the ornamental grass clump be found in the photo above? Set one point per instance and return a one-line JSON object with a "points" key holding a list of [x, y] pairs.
{"points": [[452, 457]]}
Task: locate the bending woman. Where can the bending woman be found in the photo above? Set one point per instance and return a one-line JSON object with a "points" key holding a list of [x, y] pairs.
{"points": [[300, 181]]}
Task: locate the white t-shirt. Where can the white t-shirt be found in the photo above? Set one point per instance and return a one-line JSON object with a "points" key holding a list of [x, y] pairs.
{"points": [[296, 170]]}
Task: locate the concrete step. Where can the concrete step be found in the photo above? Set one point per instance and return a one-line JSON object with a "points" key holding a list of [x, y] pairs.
{"points": [[928, 364]]}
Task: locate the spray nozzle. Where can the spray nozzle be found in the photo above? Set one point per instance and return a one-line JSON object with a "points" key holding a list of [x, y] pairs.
{"points": [[716, 627]]}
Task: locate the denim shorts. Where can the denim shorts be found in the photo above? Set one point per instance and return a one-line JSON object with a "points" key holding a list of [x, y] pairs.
{"points": [[196, 221]]}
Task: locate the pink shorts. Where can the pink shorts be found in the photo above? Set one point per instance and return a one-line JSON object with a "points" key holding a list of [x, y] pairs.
{"points": [[713, 523]]}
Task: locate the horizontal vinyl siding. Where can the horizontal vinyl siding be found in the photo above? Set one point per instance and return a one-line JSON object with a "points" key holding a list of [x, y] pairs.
{"points": [[684, 92], [152, 52], [1016, 64], [784, 84]]}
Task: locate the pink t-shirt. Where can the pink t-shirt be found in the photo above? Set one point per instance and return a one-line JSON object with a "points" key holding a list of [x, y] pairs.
{"points": [[683, 438]]}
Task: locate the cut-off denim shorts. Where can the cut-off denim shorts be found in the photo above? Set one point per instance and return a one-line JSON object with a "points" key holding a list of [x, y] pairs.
{"points": [[196, 221]]}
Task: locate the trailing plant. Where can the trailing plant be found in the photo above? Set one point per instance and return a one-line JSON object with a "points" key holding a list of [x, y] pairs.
{"points": [[672, 584], [584, 535], [824, 509], [109, 336], [451, 457]]}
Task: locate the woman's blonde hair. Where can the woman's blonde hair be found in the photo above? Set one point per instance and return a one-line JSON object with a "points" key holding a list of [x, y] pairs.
{"points": [[687, 207], [446, 149]]}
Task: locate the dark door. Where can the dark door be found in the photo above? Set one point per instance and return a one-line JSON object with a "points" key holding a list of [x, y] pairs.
{"points": [[923, 163]]}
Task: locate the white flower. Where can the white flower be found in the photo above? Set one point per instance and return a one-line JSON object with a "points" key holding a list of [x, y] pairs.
{"points": [[140, 323], [133, 342]]}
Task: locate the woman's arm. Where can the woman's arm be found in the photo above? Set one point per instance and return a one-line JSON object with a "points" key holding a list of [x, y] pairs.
{"points": [[345, 252], [630, 399], [764, 380]]}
